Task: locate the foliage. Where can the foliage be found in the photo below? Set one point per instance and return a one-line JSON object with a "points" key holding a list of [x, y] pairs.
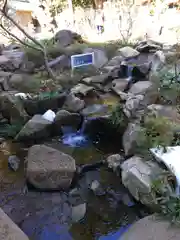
{"points": [[169, 86], [10, 131], [155, 131], [47, 95], [118, 118], [165, 196]]}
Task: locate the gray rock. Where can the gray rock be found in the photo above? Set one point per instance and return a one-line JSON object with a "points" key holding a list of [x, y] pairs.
{"points": [[48, 168], [130, 138], [100, 57], [65, 118], [12, 108], [82, 89], [9, 230], [138, 176], [78, 212], [13, 162], [152, 228], [35, 128], [73, 104], [158, 61], [114, 161], [96, 110], [102, 78], [127, 52], [60, 62], [119, 85], [142, 88]]}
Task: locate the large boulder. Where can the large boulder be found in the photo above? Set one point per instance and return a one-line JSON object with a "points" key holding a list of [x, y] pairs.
{"points": [[101, 78], [12, 108], [100, 58], [48, 168], [9, 230], [35, 128], [152, 228], [138, 176]]}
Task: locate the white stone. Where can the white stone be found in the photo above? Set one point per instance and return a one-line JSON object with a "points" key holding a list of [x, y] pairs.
{"points": [[49, 115]]}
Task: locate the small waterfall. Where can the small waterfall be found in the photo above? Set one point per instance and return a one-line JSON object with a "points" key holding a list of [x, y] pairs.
{"points": [[75, 139]]}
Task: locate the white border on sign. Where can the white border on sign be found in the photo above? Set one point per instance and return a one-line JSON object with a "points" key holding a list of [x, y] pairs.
{"points": [[80, 55]]}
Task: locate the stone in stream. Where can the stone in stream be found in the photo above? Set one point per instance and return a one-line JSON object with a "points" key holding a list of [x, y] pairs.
{"points": [[35, 128], [48, 168], [114, 161], [13, 162], [9, 230]]}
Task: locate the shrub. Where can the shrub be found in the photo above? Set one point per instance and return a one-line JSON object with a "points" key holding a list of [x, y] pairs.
{"points": [[155, 131]]}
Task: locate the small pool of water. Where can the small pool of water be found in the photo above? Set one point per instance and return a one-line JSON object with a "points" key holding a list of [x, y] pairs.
{"points": [[48, 215]]}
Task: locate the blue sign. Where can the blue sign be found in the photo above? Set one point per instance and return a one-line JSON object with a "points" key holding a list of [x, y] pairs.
{"points": [[82, 60]]}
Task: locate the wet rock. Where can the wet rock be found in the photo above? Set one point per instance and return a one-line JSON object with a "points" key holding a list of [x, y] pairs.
{"points": [[127, 200], [73, 104], [148, 46], [78, 212], [119, 85], [48, 168], [130, 138], [114, 161], [127, 52], [100, 58], [65, 37], [40, 106], [35, 128], [12, 108], [101, 78], [65, 118], [13, 162], [96, 188], [9, 230], [82, 89], [138, 176]]}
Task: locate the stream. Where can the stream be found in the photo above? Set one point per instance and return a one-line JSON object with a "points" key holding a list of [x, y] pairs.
{"points": [[48, 215]]}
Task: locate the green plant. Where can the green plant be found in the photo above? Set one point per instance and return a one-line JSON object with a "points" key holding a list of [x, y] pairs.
{"points": [[118, 118], [155, 131], [169, 85], [166, 198], [10, 131]]}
